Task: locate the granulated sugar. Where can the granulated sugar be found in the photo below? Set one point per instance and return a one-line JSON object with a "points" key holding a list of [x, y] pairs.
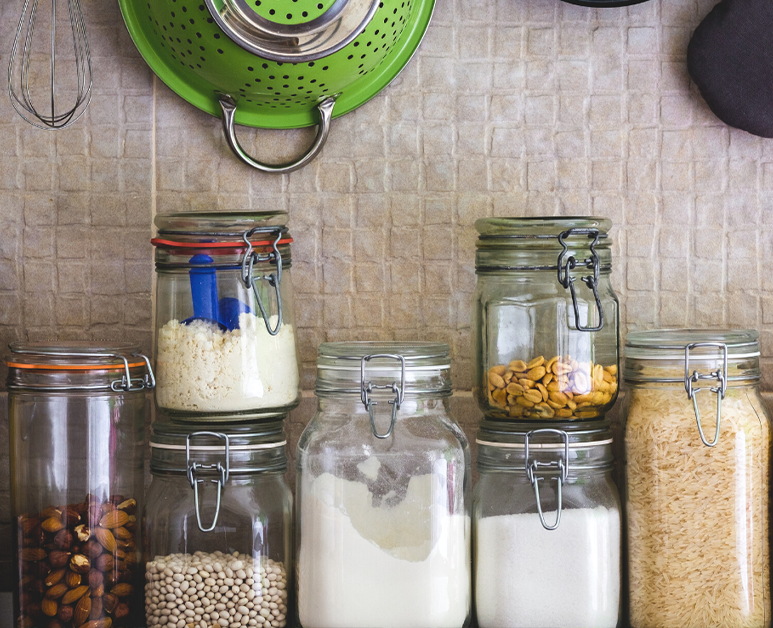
{"points": [[201, 368], [362, 566], [529, 577]]}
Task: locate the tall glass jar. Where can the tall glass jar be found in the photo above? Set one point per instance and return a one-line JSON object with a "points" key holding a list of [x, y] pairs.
{"points": [[546, 527], [77, 417], [383, 480], [545, 319], [697, 441], [225, 326], [218, 527]]}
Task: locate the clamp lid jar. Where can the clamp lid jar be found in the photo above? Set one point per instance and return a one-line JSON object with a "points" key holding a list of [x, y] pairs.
{"points": [[545, 319], [546, 519], [77, 416], [697, 440], [219, 514], [383, 492], [225, 327]]}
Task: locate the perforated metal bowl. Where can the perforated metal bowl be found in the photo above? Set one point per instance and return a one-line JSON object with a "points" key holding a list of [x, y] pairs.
{"points": [[277, 63]]}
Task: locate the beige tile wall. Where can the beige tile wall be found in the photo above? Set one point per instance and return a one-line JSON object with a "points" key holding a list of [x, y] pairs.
{"points": [[512, 107]]}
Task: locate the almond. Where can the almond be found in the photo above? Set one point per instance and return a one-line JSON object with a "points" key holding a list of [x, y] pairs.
{"points": [[114, 519], [49, 607], [122, 589], [70, 516], [122, 610], [57, 591], [123, 534], [27, 524], [75, 594], [52, 524], [109, 602], [33, 554], [106, 539], [82, 611], [51, 511], [98, 591], [83, 532], [73, 579], [80, 564]]}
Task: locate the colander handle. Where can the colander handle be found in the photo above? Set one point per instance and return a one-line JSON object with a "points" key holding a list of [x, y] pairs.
{"points": [[228, 106]]}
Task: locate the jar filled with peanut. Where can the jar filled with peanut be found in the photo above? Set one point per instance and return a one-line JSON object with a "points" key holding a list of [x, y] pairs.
{"points": [[77, 415], [545, 319]]}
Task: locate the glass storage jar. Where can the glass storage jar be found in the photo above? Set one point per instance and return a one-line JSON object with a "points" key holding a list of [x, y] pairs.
{"points": [[218, 527], [546, 527], [697, 441], [225, 327], [545, 344], [77, 416], [383, 478]]}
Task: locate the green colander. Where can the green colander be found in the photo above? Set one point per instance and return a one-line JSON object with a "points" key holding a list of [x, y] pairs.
{"points": [[277, 64]]}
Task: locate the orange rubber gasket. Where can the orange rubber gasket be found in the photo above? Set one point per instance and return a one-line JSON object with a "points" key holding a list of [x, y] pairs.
{"points": [[74, 367], [214, 245]]}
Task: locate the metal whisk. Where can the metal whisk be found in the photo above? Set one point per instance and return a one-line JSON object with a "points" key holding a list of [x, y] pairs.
{"points": [[19, 68]]}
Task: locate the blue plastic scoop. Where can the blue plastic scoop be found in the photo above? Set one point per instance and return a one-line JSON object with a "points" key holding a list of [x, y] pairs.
{"points": [[206, 306]]}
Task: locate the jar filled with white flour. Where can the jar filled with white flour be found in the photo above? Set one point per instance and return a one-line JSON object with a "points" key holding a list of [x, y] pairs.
{"points": [[546, 527], [225, 325], [218, 528], [383, 526]]}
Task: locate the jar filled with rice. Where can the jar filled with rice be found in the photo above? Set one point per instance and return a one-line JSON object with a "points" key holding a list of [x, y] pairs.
{"points": [[697, 441]]}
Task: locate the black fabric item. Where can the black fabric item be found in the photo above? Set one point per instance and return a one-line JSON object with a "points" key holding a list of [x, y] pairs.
{"points": [[730, 58]]}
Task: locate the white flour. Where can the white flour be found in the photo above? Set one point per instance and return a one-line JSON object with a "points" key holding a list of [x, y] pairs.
{"points": [[201, 368], [529, 577], [407, 566]]}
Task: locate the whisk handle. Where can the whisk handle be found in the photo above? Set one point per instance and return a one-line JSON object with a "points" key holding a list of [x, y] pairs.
{"points": [[228, 107]]}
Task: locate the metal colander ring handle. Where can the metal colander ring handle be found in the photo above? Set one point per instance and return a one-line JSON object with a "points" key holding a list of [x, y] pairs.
{"points": [[228, 107]]}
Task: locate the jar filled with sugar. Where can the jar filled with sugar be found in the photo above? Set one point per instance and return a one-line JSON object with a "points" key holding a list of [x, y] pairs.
{"points": [[544, 319], [383, 527], [225, 329], [546, 527], [218, 527]]}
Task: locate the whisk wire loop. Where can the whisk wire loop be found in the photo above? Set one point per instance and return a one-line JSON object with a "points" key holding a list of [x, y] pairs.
{"points": [[19, 68]]}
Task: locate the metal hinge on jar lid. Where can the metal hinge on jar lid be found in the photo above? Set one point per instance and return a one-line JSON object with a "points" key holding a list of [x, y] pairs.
{"points": [[194, 467], [561, 465], [273, 279], [366, 389], [591, 280], [720, 375]]}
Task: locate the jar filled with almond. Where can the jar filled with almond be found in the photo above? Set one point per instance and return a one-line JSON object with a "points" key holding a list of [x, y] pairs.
{"points": [[77, 414], [545, 319]]}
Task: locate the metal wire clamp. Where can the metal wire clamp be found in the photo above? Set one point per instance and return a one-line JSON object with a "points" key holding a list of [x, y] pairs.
{"points": [[366, 389], [720, 375], [192, 468], [533, 466], [273, 279], [591, 280]]}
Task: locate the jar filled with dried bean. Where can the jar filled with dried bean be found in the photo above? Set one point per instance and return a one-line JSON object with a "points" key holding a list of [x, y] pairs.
{"points": [[77, 416], [697, 442], [545, 319], [218, 528]]}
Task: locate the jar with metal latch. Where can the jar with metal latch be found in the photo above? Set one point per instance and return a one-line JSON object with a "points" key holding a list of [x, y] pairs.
{"points": [[383, 527], [218, 527], [697, 441], [546, 526], [225, 329], [545, 319], [77, 414]]}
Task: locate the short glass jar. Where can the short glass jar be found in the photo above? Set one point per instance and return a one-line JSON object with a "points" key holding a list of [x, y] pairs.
{"points": [[546, 527], [77, 417], [218, 527], [225, 326], [697, 441], [545, 345], [383, 481]]}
